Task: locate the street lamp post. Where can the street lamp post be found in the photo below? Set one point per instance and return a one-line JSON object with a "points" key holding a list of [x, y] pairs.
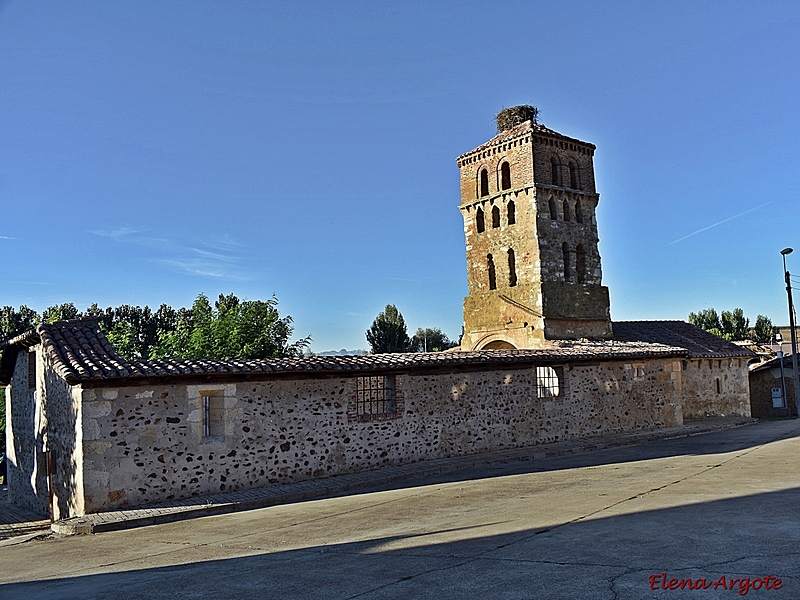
{"points": [[784, 400], [787, 277]]}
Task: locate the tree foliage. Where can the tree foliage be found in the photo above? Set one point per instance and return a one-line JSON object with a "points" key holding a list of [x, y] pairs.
{"points": [[13, 322], [231, 329], [431, 340], [733, 325], [388, 332], [763, 332]]}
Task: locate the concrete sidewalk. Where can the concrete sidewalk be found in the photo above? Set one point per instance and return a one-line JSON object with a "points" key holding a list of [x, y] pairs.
{"points": [[14, 522]]}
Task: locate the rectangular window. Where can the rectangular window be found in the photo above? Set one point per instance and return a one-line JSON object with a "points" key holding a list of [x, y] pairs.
{"points": [[549, 381], [32, 370], [212, 417], [375, 396]]}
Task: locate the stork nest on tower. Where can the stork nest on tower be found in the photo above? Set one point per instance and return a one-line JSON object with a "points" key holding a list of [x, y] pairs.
{"points": [[511, 117]]}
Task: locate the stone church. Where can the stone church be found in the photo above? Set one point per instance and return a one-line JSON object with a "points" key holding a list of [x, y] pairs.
{"points": [[540, 361]]}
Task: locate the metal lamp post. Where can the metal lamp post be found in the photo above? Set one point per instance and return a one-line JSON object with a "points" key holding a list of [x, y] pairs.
{"points": [[784, 400], [786, 276]]}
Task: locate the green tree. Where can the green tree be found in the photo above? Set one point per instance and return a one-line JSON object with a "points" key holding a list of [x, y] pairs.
{"points": [[230, 329], [735, 327], [730, 325], [706, 319], [60, 312], [13, 322], [763, 332], [431, 340], [388, 332]]}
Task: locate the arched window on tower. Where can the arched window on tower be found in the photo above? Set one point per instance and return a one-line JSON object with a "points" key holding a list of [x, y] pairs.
{"points": [[580, 263], [555, 170], [566, 210], [567, 268], [512, 212], [490, 268], [484, 183], [578, 212], [574, 179], [512, 268], [495, 217], [480, 224], [505, 176], [553, 209]]}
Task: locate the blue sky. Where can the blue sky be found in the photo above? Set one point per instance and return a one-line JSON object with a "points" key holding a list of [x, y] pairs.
{"points": [[152, 151]]}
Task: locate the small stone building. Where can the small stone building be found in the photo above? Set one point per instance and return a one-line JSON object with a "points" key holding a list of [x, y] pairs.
{"points": [[766, 396], [89, 431]]}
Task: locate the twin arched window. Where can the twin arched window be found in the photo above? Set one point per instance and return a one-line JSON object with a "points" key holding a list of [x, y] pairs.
{"points": [[580, 262], [505, 180], [512, 270], [480, 219]]}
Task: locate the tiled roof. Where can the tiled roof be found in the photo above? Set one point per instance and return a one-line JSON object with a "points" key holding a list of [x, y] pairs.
{"points": [[699, 343], [774, 363], [80, 353], [520, 129]]}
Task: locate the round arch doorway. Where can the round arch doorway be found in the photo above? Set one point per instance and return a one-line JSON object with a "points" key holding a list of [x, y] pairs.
{"points": [[499, 345]]}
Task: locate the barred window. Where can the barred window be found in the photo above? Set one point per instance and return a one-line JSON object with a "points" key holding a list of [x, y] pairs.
{"points": [[375, 395], [213, 418], [549, 381], [32, 369]]}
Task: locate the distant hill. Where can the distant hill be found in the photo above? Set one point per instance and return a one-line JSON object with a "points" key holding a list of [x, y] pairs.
{"points": [[342, 352]]}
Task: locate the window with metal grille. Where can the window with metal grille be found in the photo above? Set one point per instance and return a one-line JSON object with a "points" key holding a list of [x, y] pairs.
{"points": [[549, 381], [32, 369], [213, 418], [375, 395]]}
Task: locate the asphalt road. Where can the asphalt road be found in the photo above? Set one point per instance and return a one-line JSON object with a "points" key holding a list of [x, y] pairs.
{"points": [[618, 523]]}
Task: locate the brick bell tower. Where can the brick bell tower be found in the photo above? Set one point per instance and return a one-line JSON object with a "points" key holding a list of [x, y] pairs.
{"points": [[533, 268]]}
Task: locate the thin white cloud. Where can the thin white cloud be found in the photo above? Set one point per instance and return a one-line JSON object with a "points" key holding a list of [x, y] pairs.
{"points": [[117, 232], [7, 237], [736, 216], [218, 261]]}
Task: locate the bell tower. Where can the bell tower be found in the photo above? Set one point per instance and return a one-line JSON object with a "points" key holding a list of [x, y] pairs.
{"points": [[528, 201]]}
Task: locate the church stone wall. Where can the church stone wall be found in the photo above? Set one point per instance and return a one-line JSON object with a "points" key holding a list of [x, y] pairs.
{"points": [[715, 387], [145, 444]]}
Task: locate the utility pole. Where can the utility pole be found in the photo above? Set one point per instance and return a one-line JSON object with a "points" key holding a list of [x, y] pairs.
{"points": [[787, 277]]}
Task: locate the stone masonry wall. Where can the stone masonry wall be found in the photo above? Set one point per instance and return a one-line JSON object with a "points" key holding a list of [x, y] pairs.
{"points": [[145, 444], [761, 384], [715, 387], [27, 483]]}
